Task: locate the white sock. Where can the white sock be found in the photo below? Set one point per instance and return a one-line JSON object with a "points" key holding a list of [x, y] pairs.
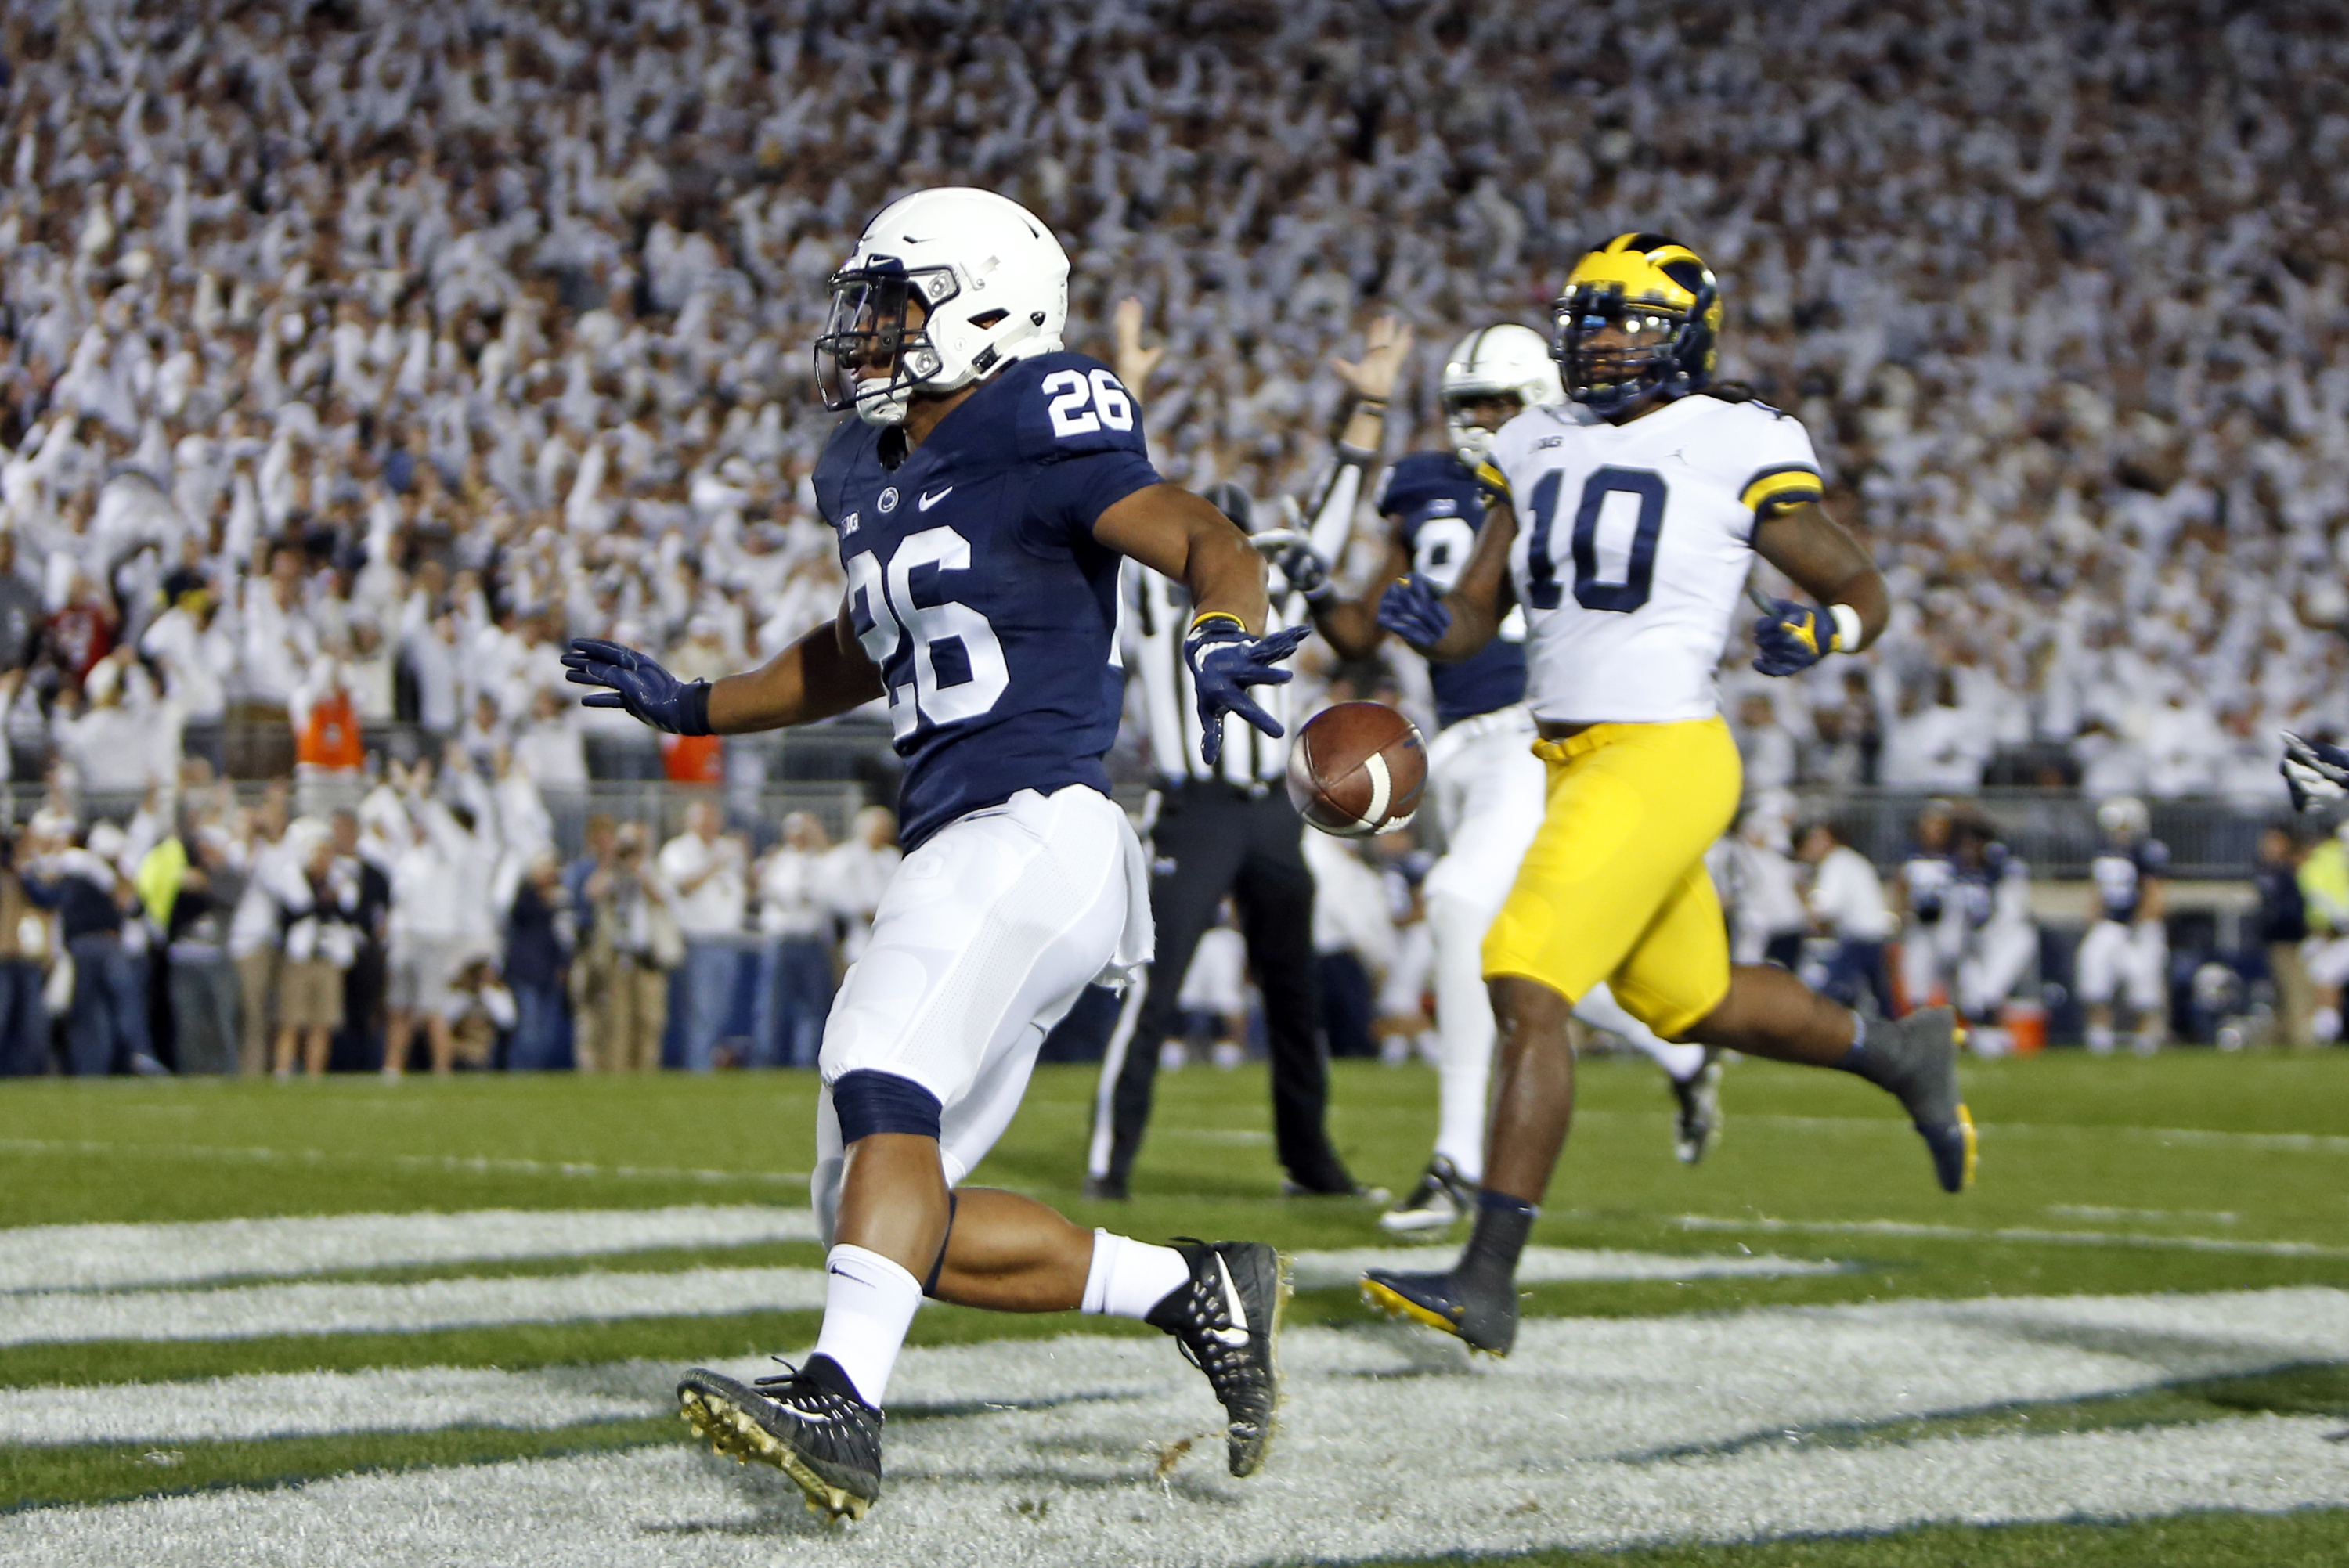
{"points": [[2100, 1039], [1129, 1278], [2325, 1024], [1600, 1010], [868, 1303], [1463, 1023]]}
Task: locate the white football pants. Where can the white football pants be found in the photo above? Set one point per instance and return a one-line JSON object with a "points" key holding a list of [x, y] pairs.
{"points": [[1490, 794], [982, 942]]}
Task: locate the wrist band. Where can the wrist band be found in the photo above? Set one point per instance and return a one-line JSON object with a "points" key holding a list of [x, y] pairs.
{"points": [[1848, 632], [1370, 404], [693, 710], [1204, 616]]}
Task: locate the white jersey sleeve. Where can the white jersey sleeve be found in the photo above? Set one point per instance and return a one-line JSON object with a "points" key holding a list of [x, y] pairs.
{"points": [[1633, 545]]}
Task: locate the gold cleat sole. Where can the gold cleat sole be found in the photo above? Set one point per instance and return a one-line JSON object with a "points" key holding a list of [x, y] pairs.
{"points": [[730, 1431], [1395, 1304], [1973, 1147]]}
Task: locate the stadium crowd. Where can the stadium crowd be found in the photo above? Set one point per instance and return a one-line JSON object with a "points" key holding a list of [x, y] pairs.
{"points": [[356, 354]]}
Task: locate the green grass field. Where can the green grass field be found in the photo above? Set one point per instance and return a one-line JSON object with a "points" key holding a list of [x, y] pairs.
{"points": [[2187, 1174]]}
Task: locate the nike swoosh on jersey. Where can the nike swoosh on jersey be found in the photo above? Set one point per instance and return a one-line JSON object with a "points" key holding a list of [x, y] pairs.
{"points": [[930, 501]]}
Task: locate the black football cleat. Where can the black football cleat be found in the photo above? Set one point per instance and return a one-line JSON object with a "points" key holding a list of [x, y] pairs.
{"points": [[1697, 1123], [826, 1440], [1916, 1058], [1484, 1317], [1227, 1322]]}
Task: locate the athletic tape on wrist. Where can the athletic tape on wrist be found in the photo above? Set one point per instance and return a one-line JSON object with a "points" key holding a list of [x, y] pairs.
{"points": [[1848, 631]]}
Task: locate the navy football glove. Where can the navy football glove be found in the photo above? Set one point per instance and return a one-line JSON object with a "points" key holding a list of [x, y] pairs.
{"points": [[1306, 572], [1224, 662], [2316, 774], [646, 690], [1790, 638], [1413, 609]]}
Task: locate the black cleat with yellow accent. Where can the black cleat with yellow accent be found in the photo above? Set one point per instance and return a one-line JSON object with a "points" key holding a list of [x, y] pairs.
{"points": [[1482, 1316], [1916, 1058], [807, 1423]]}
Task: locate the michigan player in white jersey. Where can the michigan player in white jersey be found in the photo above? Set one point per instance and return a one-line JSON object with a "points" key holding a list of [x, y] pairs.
{"points": [[1626, 522], [1484, 780], [984, 495]]}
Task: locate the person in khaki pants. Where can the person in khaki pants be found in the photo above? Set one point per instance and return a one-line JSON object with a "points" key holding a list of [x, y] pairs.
{"points": [[623, 978], [253, 932], [2283, 928]]}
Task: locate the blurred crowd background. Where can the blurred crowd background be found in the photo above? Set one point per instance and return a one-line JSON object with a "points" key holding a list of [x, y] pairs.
{"points": [[353, 355]]}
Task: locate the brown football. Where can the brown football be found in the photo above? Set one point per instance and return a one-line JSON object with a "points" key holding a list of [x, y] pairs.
{"points": [[1356, 769]]}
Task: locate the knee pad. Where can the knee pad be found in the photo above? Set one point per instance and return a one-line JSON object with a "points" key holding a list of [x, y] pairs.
{"points": [[868, 1102]]}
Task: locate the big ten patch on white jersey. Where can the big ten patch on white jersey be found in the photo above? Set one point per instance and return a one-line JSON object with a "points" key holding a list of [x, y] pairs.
{"points": [[1437, 507], [977, 589], [1633, 544]]}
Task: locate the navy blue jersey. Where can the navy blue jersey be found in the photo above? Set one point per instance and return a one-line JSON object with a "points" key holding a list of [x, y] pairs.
{"points": [[1926, 877], [1439, 506], [1973, 889], [2120, 876], [976, 586]]}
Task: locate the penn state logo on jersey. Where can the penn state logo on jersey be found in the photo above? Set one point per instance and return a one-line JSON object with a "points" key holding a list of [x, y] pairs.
{"points": [[975, 587], [1438, 505]]}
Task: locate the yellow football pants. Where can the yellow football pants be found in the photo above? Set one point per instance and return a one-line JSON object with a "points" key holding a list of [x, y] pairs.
{"points": [[1614, 887]]}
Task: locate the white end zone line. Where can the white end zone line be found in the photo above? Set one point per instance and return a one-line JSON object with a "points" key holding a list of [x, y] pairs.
{"points": [[2027, 1233], [1392, 1445], [479, 1165], [73, 1257], [254, 1311]]}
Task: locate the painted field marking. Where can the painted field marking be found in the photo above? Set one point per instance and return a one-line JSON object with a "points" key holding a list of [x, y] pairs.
{"points": [[1391, 1444], [70, 1257], [254, 1311], [478, 1164], [2027, 1233]]}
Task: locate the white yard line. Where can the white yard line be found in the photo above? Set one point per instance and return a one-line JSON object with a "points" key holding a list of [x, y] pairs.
{"points": [[70, 1257], [1391, 1444], [2030, 1233], [474, 1165], [1557, 1265], [246, 1311]]}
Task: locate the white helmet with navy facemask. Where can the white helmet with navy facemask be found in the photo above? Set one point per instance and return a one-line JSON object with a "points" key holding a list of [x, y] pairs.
{"points": [[992, 282], [1502, 361]]}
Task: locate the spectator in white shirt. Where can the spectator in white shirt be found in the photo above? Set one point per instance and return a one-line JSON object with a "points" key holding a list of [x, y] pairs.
{"points": [[191, 644], [1763, 745], [1850, 915], [114, 747], [857, 872], [550, 747], [1935, 746], [795, 923], [707, 873]]}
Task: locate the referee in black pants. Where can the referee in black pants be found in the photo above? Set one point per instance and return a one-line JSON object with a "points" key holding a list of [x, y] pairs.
{"points": [[1226, 831]]}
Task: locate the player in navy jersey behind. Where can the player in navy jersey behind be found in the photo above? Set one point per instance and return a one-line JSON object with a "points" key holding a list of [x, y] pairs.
{"points": [[1487, 785], [983, 498]]}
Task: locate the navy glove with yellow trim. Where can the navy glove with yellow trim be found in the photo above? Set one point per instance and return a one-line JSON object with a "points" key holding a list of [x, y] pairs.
{"points": [[1224, 662], [1790, 638], [1413, 609]]}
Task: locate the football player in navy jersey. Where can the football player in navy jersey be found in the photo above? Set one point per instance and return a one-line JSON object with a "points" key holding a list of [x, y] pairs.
{"points": [[1488, 785], [982, 496], [2126, 953]]}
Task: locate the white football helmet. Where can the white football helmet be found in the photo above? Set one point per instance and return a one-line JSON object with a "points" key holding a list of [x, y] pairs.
{"points": [[1503, 361], [2124, 818], [992, 281]]}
